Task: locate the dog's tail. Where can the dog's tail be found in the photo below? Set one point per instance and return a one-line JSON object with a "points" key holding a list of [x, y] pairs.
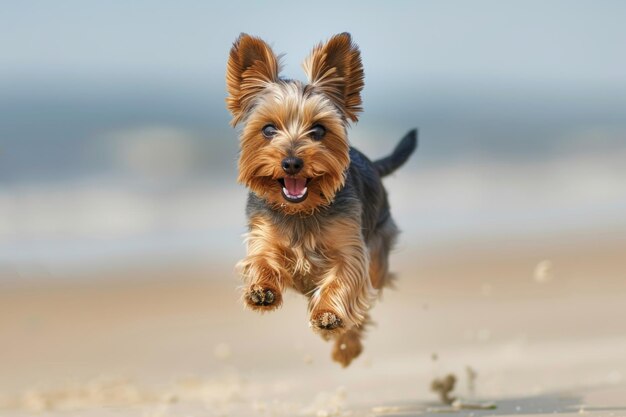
{"points": [[399, 156]]}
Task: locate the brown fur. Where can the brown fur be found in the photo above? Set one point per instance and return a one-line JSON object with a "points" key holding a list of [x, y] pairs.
{"points": [[348, 345], [335, 69], [293, 112], [263, 268], [333, 245], [252, 67], [333, 281]]}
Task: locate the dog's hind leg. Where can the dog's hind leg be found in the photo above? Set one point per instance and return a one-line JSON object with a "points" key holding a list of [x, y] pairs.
{"points": [[348, 346], [380, 244]]}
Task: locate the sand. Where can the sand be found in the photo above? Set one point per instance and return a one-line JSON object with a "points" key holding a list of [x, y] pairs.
{"points": [[541, 327]]}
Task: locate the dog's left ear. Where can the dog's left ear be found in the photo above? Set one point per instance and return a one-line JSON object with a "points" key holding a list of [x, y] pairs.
{"points": [[335, 69], [252, 66]]}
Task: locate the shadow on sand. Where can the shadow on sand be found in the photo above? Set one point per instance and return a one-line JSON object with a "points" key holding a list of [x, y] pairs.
{"points": [[544, 404]]}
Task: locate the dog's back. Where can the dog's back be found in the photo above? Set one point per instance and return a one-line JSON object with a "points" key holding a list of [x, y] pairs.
{"points": [[364, 178], [364, 181]]}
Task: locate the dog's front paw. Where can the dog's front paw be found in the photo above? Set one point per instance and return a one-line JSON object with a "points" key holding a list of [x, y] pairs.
{"points": [[326, 322], [262, 298]]}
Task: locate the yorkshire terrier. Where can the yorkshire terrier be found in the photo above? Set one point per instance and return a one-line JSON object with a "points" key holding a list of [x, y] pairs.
{"points": [[318, 214]]}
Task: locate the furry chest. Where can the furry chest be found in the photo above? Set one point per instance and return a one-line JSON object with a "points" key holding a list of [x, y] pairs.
{"points": [[305, 264]]}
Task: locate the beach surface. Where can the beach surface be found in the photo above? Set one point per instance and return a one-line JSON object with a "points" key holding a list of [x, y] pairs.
{"points": [[533, 329]]}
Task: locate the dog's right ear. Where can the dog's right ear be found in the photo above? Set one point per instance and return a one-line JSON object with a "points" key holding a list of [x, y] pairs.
{"points": [[252, 66]]}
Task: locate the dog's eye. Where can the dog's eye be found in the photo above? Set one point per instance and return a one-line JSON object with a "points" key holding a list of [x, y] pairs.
{"points": [[269, 131], [318, 132]]}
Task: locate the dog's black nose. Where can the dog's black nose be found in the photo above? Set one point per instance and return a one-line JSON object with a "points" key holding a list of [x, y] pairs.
{"points": [[292, 165]]}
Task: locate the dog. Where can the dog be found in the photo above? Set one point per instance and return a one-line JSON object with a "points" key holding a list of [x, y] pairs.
{"points": [[318, 216]]}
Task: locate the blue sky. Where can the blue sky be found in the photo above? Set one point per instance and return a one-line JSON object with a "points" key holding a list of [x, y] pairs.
{"points": [[408, 41]]}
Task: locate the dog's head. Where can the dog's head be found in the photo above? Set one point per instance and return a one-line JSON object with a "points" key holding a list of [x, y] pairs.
{"points": [[294, 144]]}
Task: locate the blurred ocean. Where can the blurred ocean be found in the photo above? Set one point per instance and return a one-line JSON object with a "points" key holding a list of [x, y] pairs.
{"points": [[129, 173], [115, 145]]}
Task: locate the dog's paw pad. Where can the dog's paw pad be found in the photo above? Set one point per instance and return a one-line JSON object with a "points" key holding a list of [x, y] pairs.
{"points": [[261, 297], [326, 320]]}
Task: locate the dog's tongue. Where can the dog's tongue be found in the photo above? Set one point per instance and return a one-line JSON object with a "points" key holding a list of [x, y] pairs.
{"points": [[295, 186]]}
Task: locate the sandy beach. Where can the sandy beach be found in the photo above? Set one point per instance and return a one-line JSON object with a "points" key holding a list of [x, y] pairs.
{"points": [[123, 205], [534, 329]]}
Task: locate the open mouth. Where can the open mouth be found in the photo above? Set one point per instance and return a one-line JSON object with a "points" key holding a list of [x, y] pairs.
{"points": [[294, 189]]}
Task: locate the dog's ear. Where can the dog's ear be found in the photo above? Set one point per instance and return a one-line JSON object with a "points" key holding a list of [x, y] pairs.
{"points": [[252, 66], [335, 69]]}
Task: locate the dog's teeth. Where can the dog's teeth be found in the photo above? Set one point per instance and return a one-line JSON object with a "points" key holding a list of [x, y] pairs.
{"points": [[288, 194]]}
